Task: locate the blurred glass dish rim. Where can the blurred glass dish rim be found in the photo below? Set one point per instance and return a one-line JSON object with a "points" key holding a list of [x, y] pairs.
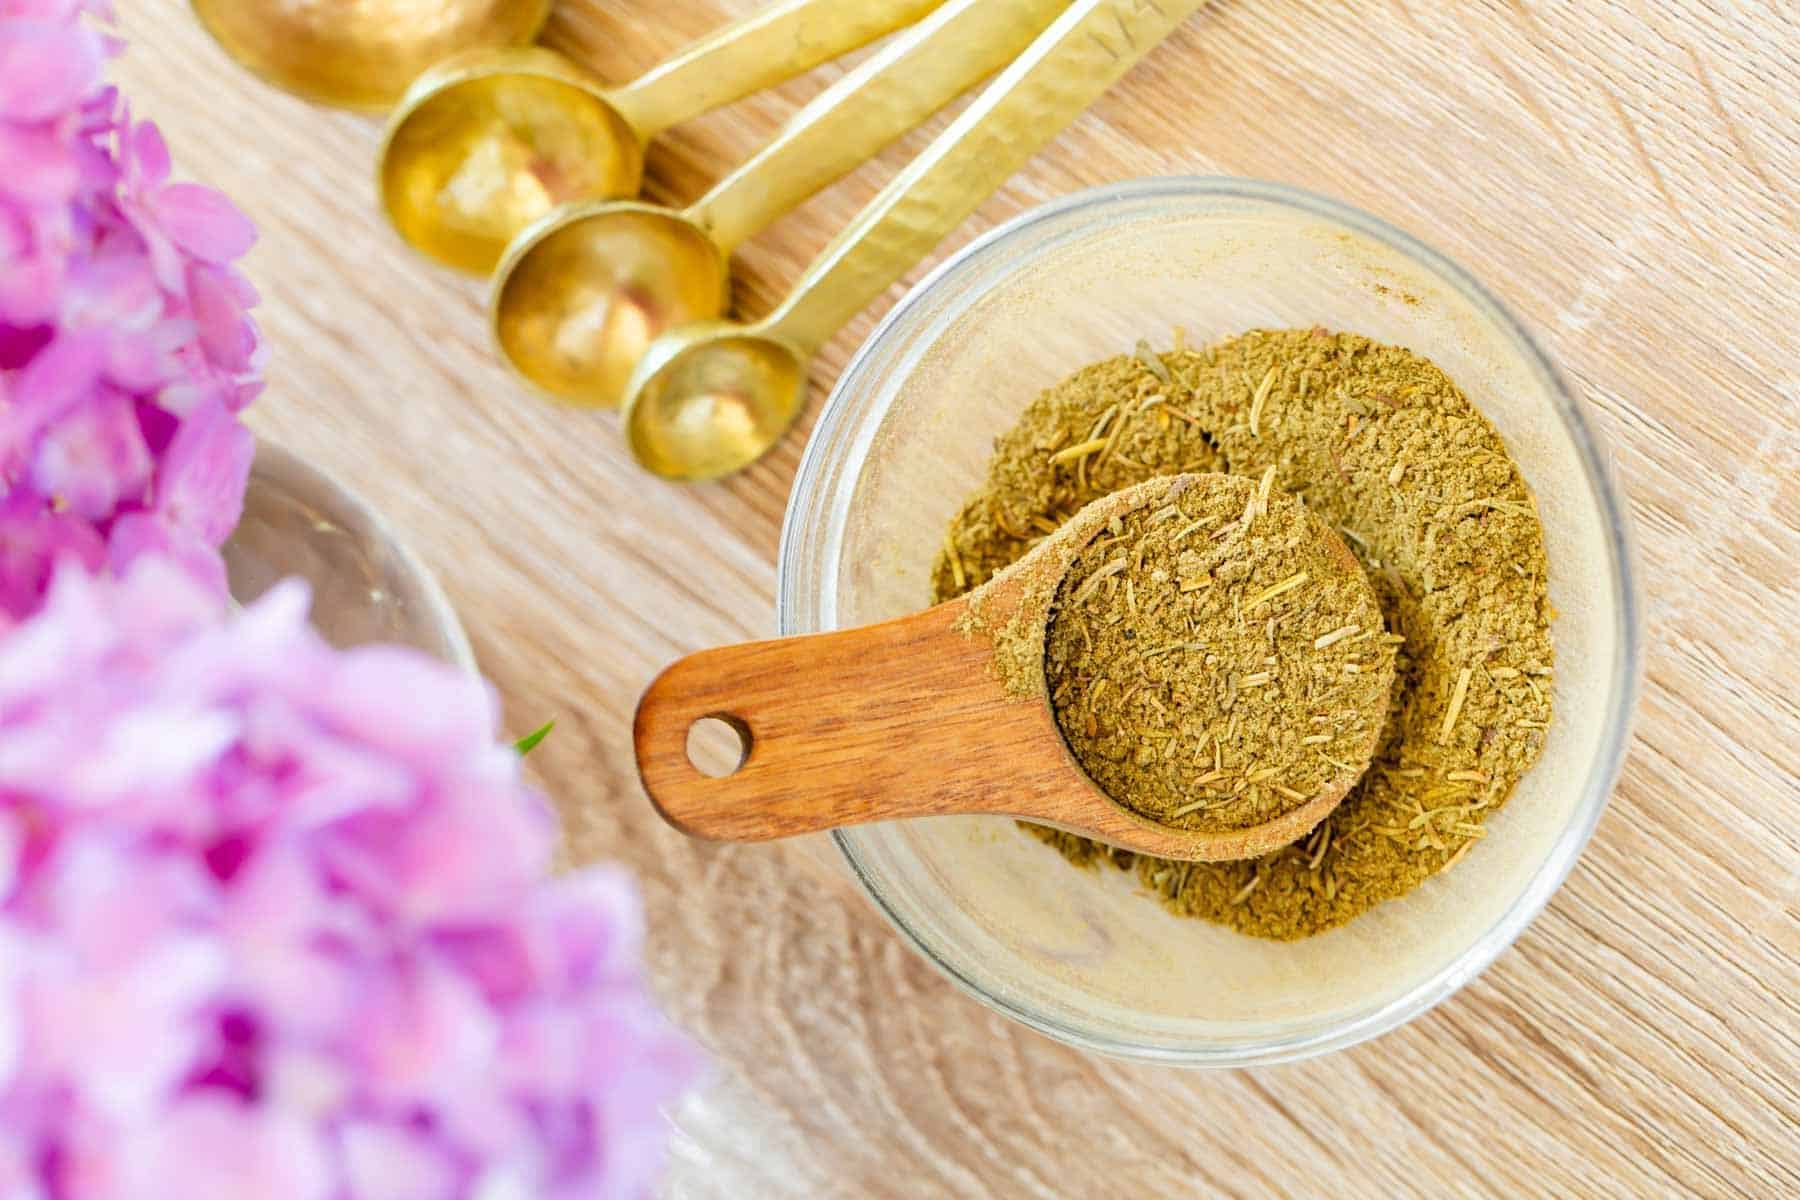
{"points": [[849, 436], [367, 585]]}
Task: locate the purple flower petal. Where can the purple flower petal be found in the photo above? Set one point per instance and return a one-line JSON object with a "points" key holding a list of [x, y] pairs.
{"points": [[40, 169], [203, 222], [384, 1160], [137, 536], [113, 288], [463, 711], [60, 377], [28, 294], [495, 958], [137, 362], [33, 540], [113, 294], [274, 919], [92, 459], [163, 254], [45, 69], [200, 488], [229, 987], [52, 384], [146, 156], [209, 1147], [226, 334]]}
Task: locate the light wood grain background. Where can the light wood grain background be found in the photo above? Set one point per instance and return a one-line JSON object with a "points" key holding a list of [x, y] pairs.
{"points": [[1625, 174]]}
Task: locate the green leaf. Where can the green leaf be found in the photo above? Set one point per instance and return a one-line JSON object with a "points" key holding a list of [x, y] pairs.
{"points": [[528, 743]]}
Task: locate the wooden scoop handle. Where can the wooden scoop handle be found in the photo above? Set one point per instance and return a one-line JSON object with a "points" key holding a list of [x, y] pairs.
{"points": [[900, 719], [907, 718]]}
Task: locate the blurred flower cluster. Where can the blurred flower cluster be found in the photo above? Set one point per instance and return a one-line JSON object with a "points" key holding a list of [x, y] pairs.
{"points": [[274, 923], [125, 345], [275, 919]]}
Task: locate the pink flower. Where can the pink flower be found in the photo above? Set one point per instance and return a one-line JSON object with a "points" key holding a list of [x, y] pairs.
{"points": [[212, 1148], [33, 541], [126, 348], [275, 922], [178, 221], [94, 459], [201, 486], [46, 68]]}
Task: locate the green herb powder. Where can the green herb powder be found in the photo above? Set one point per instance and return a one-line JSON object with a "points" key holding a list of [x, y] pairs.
{"points": [[1382, 446], [1216, 661]]}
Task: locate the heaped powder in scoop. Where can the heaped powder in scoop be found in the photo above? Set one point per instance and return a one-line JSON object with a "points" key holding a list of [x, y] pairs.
{"points": [[1218, 660]]}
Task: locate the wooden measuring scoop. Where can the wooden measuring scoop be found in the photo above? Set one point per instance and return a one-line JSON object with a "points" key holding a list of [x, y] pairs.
{"points": [[911, 718]]}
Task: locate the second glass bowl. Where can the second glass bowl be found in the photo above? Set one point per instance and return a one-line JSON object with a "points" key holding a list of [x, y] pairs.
{"points": [[366, 585], [1084, 956]]}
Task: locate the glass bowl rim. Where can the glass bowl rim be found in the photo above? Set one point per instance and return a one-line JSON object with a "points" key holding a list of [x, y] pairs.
{"points": [[276, 461], [842, 438]]}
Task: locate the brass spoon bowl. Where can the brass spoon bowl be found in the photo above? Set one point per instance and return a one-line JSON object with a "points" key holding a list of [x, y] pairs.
{"points": [[581, 293], [710, 398], [911, 718], [361, 54], [485, 143], [587, 288]]}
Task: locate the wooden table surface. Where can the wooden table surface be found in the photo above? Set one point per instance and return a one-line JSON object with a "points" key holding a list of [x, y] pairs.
{"points": [[1624, 174]]}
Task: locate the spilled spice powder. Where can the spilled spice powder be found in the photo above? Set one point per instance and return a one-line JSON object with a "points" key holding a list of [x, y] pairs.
{"points": [[1383, 447], [1216, 660]]}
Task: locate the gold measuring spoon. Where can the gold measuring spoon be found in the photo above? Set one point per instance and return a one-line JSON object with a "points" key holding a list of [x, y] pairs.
{"points": [[361, 53], [583, 290], [483, 144], [712, 397], [910, 718]]}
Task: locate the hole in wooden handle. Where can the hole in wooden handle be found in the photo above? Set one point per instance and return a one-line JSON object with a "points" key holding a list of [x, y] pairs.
{"points": [[718, 744]]}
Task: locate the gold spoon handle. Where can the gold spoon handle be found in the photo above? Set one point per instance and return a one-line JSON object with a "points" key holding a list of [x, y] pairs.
{"points": [[907, 80], [772, 45], [1070, 64]]}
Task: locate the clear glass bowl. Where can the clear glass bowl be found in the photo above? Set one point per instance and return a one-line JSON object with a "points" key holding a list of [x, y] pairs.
{"points": [[1083, 956], [366, 585]]}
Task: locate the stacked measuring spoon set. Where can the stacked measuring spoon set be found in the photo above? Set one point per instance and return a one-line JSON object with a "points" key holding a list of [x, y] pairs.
{"points": [[511, 160]]}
